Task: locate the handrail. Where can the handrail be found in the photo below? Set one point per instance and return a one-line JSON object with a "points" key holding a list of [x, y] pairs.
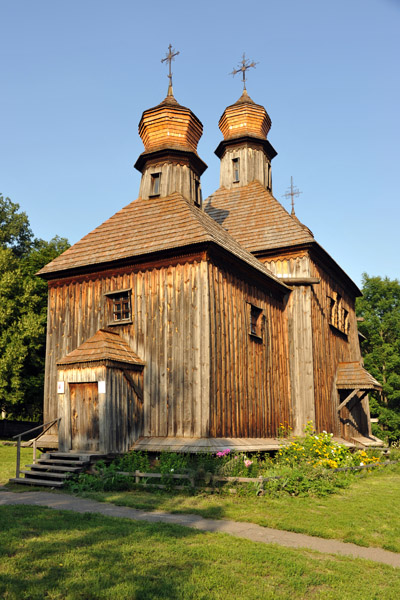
{"points": [[19, 436], [34, 428]]}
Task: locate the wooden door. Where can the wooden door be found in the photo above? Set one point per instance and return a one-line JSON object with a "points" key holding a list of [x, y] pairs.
{"points": [[84, 416]]}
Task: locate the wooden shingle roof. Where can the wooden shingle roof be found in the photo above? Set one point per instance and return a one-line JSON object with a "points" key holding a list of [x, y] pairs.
{"points": [[255, 218], [351, 375], [148, 226], [104, 345]]}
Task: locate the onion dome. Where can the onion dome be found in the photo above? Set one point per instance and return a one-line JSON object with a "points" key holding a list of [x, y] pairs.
{"points": [[245, 118], [170, 125]]}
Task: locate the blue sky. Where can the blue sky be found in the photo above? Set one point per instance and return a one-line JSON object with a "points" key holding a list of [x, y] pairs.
{"points": [[76, 76]]}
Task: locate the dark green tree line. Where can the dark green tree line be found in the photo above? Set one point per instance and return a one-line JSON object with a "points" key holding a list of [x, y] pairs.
{"points": [[380, 308], [23, 308]]}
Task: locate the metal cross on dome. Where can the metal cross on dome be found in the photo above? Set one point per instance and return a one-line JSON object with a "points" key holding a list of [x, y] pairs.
{"points": [[291, 194], [245, 66], [169, 57]]}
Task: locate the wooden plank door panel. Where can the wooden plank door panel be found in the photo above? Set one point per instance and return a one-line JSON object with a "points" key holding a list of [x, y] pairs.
{"points": [[84, 416]]}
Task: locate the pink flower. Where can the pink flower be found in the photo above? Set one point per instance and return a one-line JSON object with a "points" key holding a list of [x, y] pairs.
{"points": [[223, 453], [248, 462]]}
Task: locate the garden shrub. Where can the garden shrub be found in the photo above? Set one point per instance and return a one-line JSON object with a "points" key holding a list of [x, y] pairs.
{"points": [[303, 466]]}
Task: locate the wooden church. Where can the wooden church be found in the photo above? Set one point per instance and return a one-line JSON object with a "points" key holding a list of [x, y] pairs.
{"points": [[187, 325]]}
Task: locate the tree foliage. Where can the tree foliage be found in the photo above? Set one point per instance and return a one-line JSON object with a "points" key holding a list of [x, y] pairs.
{"points": [[380, 309], [23, 309], [15, 232]]}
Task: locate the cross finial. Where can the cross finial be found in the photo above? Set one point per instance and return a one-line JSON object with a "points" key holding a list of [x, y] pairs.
{"points": [[244, 66], [169, 57], [291, 194]]}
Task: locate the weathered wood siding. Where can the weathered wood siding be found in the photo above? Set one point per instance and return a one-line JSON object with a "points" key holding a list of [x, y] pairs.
{"points": [[62, 402], [249, 378], [354, 417], [169, 331], [330, 347], [174, 177], [253, 166], [119, 409], [300, 337], [123, 413]]}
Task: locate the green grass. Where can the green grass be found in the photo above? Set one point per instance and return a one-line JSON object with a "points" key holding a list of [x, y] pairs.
{"points": [[8, 459], [367, 513], [54, 555]]}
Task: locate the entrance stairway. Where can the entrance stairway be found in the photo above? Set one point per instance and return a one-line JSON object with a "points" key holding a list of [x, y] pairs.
{"points": [[53, 468]]}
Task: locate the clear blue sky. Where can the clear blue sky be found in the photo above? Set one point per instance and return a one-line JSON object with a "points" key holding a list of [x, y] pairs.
{"points": [[76, 76]]}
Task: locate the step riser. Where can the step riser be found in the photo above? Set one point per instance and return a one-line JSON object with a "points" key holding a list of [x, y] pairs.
{"points": [[46, 475], [66, 463], [44, 468], [28, 481]]}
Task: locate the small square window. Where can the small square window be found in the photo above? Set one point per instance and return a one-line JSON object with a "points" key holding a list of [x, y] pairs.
{"points": [[155, 184], [255, 321], [119, 307]]}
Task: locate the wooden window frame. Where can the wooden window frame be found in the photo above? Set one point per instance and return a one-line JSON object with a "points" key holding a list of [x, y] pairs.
{"points": [[255, 321], [114, 312], [198, 200], [155, 184], [236, 169], [338, 314]]}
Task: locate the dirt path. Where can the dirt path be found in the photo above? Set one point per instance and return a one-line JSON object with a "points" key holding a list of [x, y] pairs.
{"points": [[249, 531]]}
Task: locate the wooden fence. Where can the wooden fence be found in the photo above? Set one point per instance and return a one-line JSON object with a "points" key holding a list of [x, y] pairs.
{"points": [[215, 479]]}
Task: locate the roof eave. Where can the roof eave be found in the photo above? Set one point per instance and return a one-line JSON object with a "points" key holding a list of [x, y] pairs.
{"points": [[321, 253], [248, 139], [177, 252]]}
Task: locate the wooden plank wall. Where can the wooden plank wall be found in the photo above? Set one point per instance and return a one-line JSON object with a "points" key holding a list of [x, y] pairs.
{"points": [[122, 424], [88, 374], [330, 346], [254, 166], [170, 332], [173, 177], [119, 409], [355, 417], [249, 379], [300, 338]]}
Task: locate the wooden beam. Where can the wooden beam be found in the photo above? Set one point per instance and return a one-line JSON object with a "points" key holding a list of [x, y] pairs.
{"points": [[349, 397], [355, 400], [299, 280], [132, 382]]}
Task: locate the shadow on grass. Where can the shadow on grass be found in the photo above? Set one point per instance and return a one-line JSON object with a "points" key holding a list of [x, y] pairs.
{"points": [[154, 500], [55, 554]]}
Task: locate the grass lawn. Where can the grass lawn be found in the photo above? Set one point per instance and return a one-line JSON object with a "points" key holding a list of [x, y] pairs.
{"points": [[367, 513], [60, 555], [8, 459]]}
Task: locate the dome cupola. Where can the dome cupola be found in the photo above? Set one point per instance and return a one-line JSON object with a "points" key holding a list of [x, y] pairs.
{"points": [[170, 134], [245, 152], [245, 118]]}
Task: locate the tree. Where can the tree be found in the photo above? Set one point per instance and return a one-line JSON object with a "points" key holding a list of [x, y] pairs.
{"points": [[379, 307], [15, 232], [23, 310]]}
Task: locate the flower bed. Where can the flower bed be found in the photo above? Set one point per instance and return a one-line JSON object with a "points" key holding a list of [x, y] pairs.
{"points": [[313, 464]]}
